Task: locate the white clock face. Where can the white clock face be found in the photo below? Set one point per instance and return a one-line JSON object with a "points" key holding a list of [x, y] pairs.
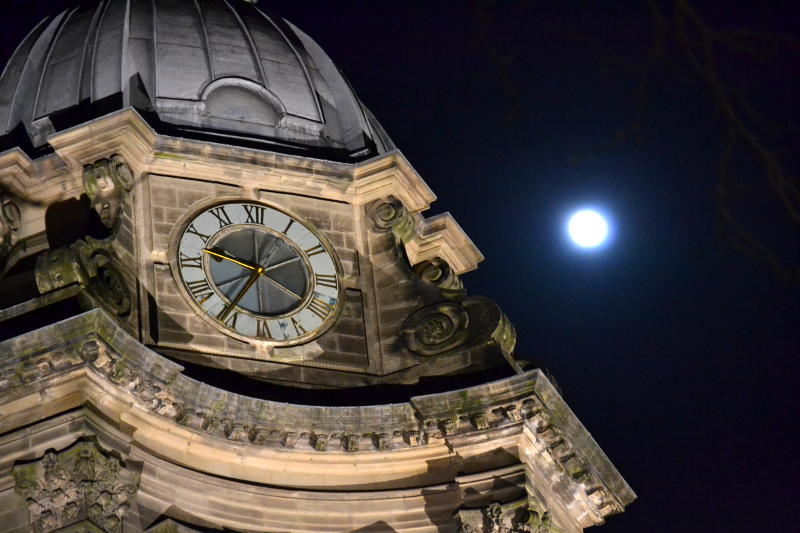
{"points": [[257, 272]]}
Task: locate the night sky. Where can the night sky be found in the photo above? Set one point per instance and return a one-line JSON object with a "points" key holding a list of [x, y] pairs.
{"points": [[677, 351]]}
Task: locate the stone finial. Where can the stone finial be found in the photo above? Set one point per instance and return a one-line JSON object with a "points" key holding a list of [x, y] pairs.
{"points": [[79, 484]]}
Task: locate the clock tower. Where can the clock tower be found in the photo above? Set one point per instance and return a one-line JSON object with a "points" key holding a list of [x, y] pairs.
{"points": [[199, 222]]}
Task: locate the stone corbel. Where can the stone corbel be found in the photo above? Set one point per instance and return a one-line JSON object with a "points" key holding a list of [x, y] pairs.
{"points": [[87, 263], [105, 182], [437, 272], [81, 484], [390, 214]]}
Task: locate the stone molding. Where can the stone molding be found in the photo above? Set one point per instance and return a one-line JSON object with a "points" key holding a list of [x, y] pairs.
{"points": [[96, 362], [81, 483], [425, 239], [441, 236], [195, 499], [126, 134]]}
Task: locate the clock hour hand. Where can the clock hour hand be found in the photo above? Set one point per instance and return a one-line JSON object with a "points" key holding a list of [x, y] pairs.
{"points": [[250, 281], [219, 255]]}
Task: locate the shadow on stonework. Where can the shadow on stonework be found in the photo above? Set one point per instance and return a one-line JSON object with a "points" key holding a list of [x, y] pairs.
{"points": [[378, 527], [441, 505]]}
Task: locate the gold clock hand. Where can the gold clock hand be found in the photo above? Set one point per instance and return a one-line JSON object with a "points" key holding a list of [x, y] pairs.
{"points": [[250, 281], [229, 258]]}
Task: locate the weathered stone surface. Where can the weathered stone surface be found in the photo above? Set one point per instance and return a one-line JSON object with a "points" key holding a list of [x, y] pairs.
{"points": [[81, 487], [222, 433]]}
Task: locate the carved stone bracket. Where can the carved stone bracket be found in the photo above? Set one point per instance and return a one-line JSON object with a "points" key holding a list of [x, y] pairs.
{"points": [[472, 323], [436, 329], [437, 272], [521, 516], [79, 484], [105, 181], [86, 262]]}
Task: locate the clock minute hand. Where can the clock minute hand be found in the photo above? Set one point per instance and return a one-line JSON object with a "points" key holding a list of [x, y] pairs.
{"points": [[231, 259]]}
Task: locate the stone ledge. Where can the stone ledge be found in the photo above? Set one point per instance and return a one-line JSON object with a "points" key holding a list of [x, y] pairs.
{"points": [[94, 362]]}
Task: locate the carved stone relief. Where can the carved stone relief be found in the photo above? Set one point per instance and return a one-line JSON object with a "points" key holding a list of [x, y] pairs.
{"points": [[473, 322], [86, 262], [436, 329], [105, 181], [438, 272], [390, 214], [79, 484], [522, 516]]}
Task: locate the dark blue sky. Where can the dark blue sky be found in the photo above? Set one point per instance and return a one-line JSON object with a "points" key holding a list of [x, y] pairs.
{"points": [[678, 352]]}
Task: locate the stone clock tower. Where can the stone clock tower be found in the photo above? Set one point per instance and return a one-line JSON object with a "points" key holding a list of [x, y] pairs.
{"points": [[200, 220]]}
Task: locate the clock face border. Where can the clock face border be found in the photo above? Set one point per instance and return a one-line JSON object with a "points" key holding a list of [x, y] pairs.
{"points": [[197, 210]]}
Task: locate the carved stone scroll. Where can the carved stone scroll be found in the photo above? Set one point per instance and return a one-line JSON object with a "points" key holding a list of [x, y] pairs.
{"points": [[436, 329], [79, 484], [391, 214], [438, 272]]}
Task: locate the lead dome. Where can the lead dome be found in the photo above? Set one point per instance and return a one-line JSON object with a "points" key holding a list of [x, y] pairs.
{"points": [[221, 70]]}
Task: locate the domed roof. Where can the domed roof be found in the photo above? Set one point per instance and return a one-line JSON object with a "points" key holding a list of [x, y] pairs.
{"points": [[222, 70]]}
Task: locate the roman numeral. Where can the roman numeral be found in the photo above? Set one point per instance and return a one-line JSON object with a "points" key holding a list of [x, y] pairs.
{"points": [[231, 320], [191, 229], [262, 329], [298, 328], [327, 280], [190, 262], [255, 214], [320, 308], [222, 216], [289, 225], [318, 249], [200, 289]]}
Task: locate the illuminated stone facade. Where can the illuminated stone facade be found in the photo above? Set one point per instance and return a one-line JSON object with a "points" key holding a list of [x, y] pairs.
{"points": [[100, 427]]}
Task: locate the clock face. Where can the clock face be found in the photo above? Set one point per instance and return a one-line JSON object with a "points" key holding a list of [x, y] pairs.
{"points": [[257, 272]]}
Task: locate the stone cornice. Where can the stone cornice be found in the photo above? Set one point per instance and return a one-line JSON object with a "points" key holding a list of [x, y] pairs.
{"points": [[126, 134], [35, 181], [441, 236], [391, 175], [95, 363]]}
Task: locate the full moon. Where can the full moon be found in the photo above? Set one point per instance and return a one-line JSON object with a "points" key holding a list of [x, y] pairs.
{"points": [[588, 228]]}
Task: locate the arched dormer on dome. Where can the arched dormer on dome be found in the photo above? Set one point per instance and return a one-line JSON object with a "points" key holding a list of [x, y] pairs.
{"points": [[241, 102], [212, 69]]}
